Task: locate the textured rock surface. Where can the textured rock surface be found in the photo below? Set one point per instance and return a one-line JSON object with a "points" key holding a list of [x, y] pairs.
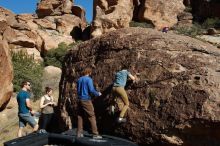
{"points": [[80, 12], [114, 14], [215, 40], [185, 19], [35, 35], [51, 78], [160, 12], [6, 75], [111, 15], [53, 7], [176, 101]]}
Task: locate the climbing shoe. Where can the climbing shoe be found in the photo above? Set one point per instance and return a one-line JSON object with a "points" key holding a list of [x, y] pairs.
{"points": [[97, 137], [80, 135], [121, 120]]}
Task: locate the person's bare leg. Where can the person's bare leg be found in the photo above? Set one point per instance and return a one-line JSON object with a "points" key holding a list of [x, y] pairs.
{"points": [[20, 132]]}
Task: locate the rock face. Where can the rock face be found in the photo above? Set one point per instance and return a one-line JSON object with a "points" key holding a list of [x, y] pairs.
{"points": [[111, 15], [206, 8], [36, 34], [80, 12], [53, 7], [215, 39], [51, 78], [6, 77], [160, 12], [185, 19], [176, 100], [114, 14]]}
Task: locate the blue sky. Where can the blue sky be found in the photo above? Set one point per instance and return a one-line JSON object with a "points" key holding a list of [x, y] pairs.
{"points": [[29, 6]]}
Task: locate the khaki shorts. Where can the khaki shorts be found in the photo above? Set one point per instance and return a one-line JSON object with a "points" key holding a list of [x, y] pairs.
{"points": [[26, 118]]}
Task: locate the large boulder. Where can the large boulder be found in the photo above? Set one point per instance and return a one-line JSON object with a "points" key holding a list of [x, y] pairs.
{"points": [[45, 23], [185, 19], [51, 39], [215, 40], [7, 15], [6, 77], [66, 23], [160, 12], [111, 15], [54, 7], [28, 19], [36, 34], [176, 100], [114, 14], [6, 18], [80, 12]]}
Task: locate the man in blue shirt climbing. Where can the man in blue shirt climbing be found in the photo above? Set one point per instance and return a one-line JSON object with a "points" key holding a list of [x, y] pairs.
{"points": [[84, 89], [25, 111]]}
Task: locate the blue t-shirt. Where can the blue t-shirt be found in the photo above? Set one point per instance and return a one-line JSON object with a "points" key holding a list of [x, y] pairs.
{"points": [[85, 87], [21, 99], [121, 78]]}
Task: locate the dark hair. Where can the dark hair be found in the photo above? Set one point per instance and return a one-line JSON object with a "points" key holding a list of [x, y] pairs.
{"points": [[48, 89], [87, 71], [24, 83], [125, 66]]}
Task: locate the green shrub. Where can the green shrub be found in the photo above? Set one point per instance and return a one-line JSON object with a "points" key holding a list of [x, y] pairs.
{"points": [[26, 68], [140, 24], [196, 29], [188, 9], [54, 57], [211, 22]]}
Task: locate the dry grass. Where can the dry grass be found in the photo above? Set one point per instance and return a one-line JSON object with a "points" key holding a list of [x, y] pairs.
{"points": [[9, 121], [9, 133]]}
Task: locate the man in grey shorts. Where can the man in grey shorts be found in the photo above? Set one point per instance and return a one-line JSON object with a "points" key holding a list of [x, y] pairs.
{"points": [[25, 111]]}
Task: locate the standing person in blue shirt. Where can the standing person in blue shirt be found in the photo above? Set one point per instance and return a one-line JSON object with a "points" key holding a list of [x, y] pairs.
{"points": [[25, 111], [85, 87], [119, 91]]}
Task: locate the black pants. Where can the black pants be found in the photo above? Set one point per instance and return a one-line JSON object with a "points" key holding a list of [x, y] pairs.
{"points": [[46, 120]]}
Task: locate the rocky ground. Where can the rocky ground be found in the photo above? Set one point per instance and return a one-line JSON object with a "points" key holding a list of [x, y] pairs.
{"points": [[213, 39]]}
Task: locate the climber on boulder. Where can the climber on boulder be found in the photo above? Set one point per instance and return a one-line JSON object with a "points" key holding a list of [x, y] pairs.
{"points": [[119, 91]]}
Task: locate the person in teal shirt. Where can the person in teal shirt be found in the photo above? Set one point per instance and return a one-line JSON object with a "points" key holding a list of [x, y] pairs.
{"points": [[119, 91], [25, 111]]}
